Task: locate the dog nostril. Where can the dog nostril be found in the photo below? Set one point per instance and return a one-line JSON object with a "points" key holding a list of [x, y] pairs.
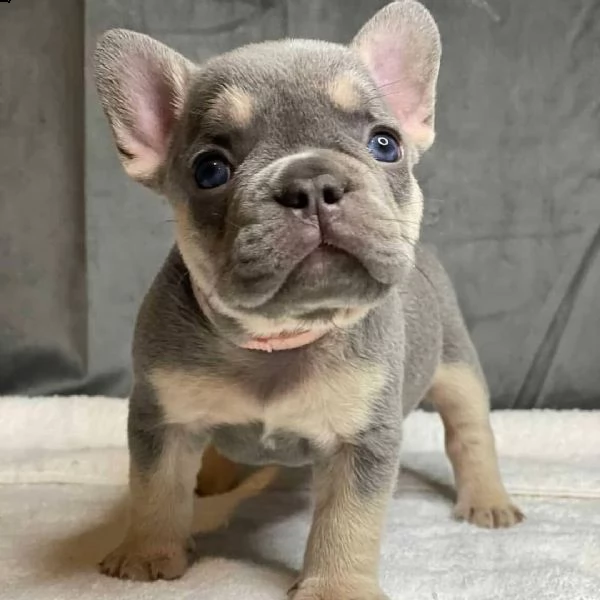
{"points": [[294, 199], [332, 194], [302, 200]]}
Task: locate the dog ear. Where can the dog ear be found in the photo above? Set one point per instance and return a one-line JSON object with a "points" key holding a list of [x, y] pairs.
{"points": [[401, 49], [142, 86]]}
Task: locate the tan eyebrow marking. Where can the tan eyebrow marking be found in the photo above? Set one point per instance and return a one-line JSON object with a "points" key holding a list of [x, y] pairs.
{"points": [[344, 92], [233, 104]]}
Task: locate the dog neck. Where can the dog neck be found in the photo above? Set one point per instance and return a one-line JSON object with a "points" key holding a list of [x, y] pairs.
{"points": [[279, 340]]}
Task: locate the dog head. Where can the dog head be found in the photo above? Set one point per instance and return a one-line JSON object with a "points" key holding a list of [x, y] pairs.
{"points": [[288, 164]]}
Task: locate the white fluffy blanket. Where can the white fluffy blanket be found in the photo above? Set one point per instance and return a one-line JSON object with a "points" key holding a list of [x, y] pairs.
{"points": [[63, 467]]}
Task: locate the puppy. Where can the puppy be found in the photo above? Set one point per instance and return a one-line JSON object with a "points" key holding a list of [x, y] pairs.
{"points": [[297, 320]]}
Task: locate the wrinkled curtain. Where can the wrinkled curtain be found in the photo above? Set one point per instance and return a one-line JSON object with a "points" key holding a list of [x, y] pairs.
{"points": [[512, 184]]}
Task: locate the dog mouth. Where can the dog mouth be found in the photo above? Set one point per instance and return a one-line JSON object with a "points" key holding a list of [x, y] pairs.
{"points": [[301, 276], [325, 266], [319, 260], [328, 279]]}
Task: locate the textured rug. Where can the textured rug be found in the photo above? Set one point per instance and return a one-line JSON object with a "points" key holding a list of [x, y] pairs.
{"points": [[63, 471]]}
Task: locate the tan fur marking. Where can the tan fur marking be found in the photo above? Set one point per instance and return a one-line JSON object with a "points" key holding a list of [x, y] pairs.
{"points": [[332, 405], [344, 92], [218, 474], [188, 399], [234, 104], [193, 245], [412, 213], [463, 404], [342, 554], [156, 542]]}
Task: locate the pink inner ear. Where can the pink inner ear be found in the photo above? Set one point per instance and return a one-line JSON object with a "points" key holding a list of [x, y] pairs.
{"points": [[146, 138], [387, 69], [404, 90]]}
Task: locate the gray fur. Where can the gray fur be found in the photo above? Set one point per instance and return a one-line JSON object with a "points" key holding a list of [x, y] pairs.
{"points": [[243, 258], [145, 427], [248, 444]]}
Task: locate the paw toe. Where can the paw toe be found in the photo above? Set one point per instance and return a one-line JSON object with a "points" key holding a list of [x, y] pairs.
{"points": [[491, 516], [143, 565]]}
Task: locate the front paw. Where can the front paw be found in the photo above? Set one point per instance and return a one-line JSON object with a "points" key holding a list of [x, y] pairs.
{"points": [[490, 511], [147, 562], [317, 589]]}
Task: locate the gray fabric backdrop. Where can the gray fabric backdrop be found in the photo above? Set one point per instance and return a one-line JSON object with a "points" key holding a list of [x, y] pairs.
{"points": [[512, 185]]}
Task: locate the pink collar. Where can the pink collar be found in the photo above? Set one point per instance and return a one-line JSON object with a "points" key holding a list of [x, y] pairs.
{"points": [[284, 340]]}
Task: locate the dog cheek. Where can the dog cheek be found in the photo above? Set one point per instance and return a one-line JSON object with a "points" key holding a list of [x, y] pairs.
{"points": [[255, 251], [200, 246]]}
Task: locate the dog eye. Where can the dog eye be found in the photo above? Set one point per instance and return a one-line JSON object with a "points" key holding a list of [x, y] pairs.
{"points": [[383, 147], [211, 171]]}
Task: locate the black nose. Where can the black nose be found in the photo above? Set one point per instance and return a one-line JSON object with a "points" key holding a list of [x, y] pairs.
{"points": [[310, 192]]}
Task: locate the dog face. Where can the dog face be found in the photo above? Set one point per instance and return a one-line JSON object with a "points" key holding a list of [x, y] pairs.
{"points": [[288, 164]]}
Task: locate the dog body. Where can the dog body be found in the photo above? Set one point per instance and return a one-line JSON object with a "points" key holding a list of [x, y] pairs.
{"points": [[290, 407], [297, 320]]}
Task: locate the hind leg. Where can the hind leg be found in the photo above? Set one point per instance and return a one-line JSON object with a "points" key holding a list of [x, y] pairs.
{"points": [[217, 475], [461, 399]]}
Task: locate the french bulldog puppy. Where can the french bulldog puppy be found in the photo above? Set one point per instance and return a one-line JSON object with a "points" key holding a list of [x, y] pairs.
{"points": [[297, 319]]}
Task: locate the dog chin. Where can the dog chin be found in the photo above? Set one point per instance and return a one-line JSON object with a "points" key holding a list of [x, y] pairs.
{"points": [[317, 320], [300, 315], [327, 279], [301, 312]]}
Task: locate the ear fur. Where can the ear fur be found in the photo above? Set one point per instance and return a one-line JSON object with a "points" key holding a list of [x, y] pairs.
{"points": [[142, 86], [401, 48]]}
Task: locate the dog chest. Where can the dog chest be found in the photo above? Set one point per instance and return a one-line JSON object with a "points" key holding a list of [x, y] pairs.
{"points": [[325, 407]]}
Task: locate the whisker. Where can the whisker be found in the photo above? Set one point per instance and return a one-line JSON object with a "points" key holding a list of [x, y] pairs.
{"points": [[390, 83], [415, 266], [235, 225], [388, 94], [403, 221]]}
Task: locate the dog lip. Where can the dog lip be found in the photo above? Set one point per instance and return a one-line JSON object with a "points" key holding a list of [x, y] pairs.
{"points": [[319, 257], [346, 245], [252, 304]]}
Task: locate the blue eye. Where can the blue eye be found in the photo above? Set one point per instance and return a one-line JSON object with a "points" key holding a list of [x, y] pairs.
{"points": [[384, 147], [211, 171]]}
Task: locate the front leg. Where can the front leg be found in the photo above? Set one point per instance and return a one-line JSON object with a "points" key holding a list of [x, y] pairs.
{"points": [[461, 398], [164, 462], [353, 489]]}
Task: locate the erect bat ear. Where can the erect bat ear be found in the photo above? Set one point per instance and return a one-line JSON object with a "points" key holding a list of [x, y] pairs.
{"points": [[401, 48], [142, 86]]}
